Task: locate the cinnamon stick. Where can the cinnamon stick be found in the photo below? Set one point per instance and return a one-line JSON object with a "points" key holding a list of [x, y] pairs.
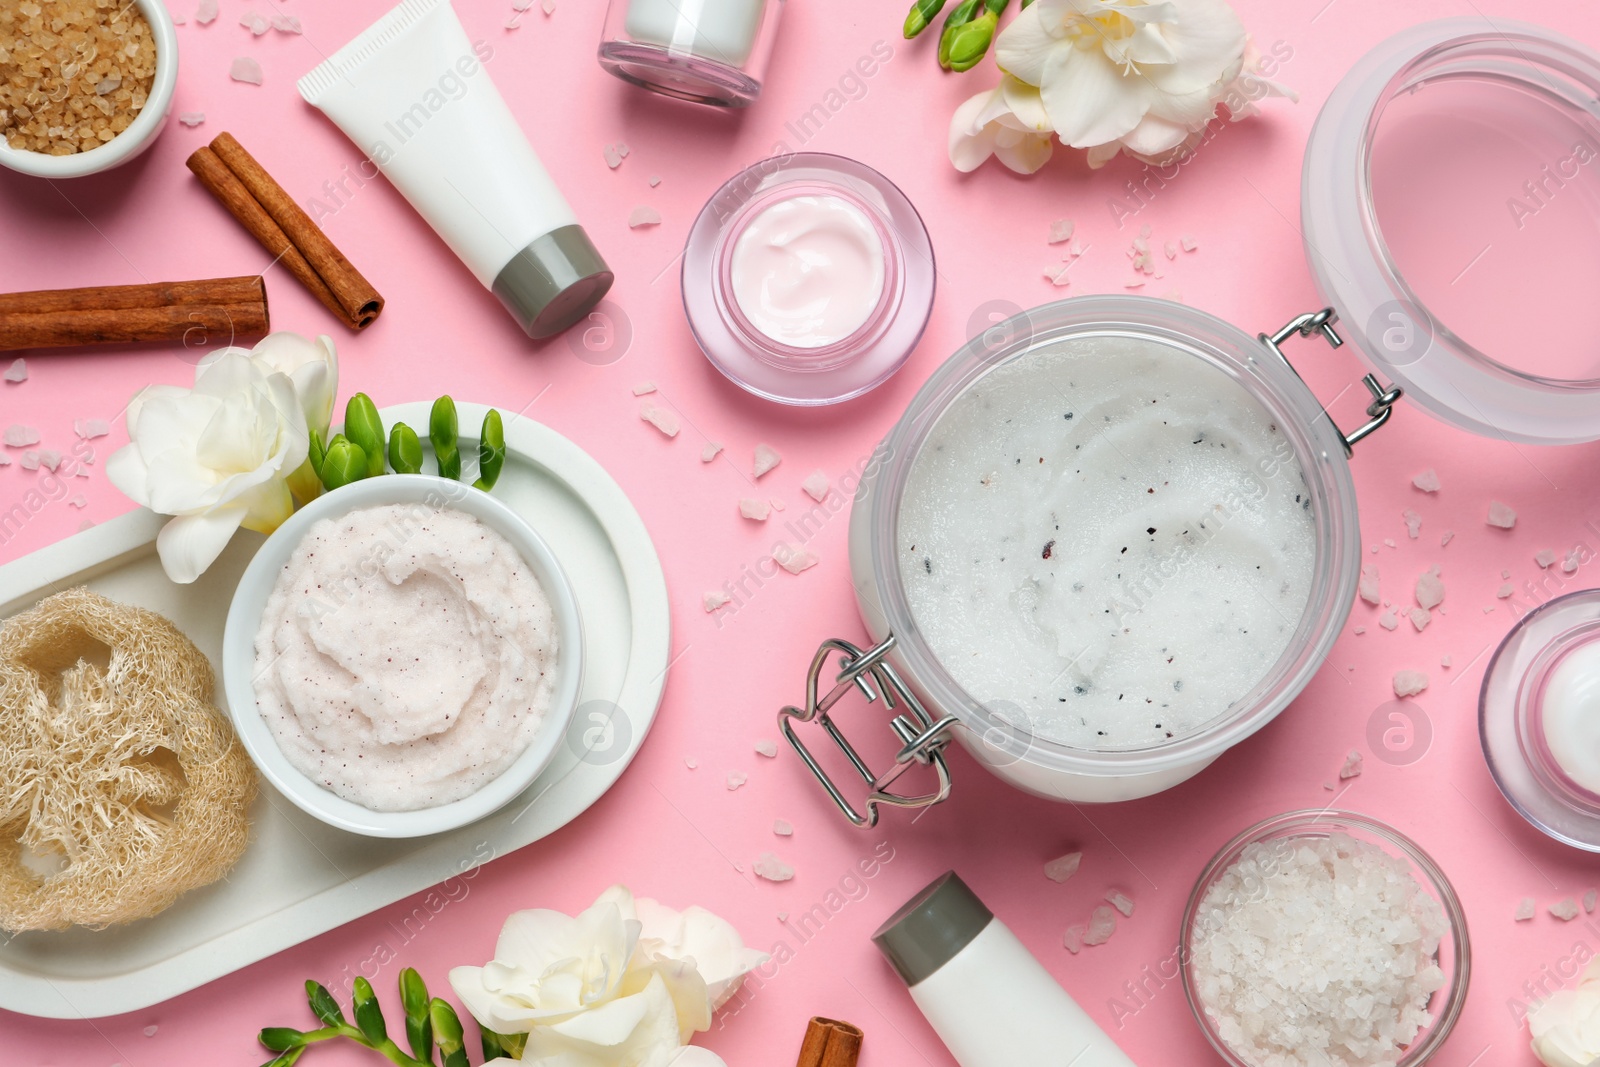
{"points": [[261, 205], [196, 313], [830, 1043]]}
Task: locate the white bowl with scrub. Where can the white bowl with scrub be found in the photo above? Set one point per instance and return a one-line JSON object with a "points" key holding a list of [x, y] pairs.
{"points": [[250, 604]]}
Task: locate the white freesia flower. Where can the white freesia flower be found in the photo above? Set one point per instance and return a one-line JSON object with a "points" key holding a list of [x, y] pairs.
{"points": [[1566, 1027], [219, 456], [313, 367], [1008, 122], [617, 986]]}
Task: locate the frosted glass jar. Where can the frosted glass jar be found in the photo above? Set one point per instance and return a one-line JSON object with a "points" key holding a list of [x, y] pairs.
{"points": [[706, 51]]}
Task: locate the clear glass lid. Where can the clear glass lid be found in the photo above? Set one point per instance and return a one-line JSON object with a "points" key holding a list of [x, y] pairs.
{"points": [[1451, 205]]}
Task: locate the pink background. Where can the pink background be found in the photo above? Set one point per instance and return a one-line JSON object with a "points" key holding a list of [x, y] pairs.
{"points": [[680, 834]]}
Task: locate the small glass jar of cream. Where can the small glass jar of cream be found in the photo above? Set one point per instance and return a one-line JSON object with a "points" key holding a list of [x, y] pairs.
{"points": [[706, 51], [1539, 718], [808, 279]]}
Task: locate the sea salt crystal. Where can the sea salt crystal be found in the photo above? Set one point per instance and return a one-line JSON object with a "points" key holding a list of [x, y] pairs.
{"points": [[49, 459], [1073, 938], [1146, 230], [18, 371], [1445, 661], [770, 867], [5, 460], [1565, 910], [1352, 766], [1589, 899], [1063, 867], [1058, 275], [1570, 563], [150, 1031], [767, 748], [1190, 244], [1121, 901], [191, 118], [816, 485], [1501, 515], [766, 458], [256, 24], [690, 762], [782, 828], [1389, 541], [1409, 683], [753, 508], [794, 559], [244, 69], [88, 429], [1061, 230], [660, 418], [78, 501], [1171, 250], [1102, 924], [714, 600], [1427, 481], [548, 7], [1420, 618], [1369, 583], [643, 216], [1525, 910], [1446, 537], [643, 388], [1359, 630], [615, 154], [655, 181], [1505, 590], [17, 435], [709, 452], [1413, 523], [777, 505], [1388, 620], [1430, 589], [736, 779], [206, 13], [30, 460], [1544, 558], [287, 24]]}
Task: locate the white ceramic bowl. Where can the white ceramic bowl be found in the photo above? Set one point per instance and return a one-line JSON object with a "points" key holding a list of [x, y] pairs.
{"points": [[140, 133], [249, 603]]}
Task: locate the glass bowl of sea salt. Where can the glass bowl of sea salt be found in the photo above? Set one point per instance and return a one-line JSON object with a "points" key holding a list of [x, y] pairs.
{"points": [[1324, 938]]}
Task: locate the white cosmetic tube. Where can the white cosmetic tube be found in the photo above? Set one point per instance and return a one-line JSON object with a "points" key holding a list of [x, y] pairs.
{"points": [[411, 91]]}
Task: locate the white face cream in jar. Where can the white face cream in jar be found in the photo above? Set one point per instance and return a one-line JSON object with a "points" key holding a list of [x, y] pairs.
{"points": [[706, 51]]}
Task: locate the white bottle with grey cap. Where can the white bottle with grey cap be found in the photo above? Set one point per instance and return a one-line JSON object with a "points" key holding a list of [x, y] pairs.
{"points": [[989, 1000]]}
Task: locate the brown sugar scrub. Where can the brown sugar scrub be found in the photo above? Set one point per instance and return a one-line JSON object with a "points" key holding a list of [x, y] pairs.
{"points": [[121, 786], [73, 73]]}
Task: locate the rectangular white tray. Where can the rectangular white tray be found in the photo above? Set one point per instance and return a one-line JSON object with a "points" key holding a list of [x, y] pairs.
{"points": [[299, 877]]}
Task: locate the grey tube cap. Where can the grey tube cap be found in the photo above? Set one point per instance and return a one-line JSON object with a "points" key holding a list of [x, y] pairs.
{"points": [[932, 928], [553, 282]]}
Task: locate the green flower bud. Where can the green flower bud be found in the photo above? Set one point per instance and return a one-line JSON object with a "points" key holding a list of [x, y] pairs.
{"points": [[344, 463], [970, 43], [323, 1006], [365, 429], [405, 456], [413, 992], [315, 452], [369, 1016], [281, 1039], [491, 451], [921, 14], [964, 13], [444, 431]]}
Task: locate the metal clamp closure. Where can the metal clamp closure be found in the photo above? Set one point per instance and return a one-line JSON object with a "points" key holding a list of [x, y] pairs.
{"points": [[922, 737], [1383, 398]]}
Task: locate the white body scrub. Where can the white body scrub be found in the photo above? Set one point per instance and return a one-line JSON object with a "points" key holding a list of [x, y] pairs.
{"points": [[1111, 535], [406, 656], [1570, 711]]}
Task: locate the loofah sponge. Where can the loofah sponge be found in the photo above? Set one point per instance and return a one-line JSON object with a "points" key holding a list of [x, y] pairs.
{"points": [[121, 786]]}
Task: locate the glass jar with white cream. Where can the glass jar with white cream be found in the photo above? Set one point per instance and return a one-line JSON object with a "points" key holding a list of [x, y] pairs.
{"points": [[705, 51], [808, 279]]}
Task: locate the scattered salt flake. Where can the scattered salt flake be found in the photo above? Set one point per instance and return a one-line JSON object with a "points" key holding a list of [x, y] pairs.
{"points": [[792, 559], [1063, 867], [1589, 899], [86, 524], [1389, 541], [643, 216], [1058, 275], [778, 505], [709, 452], [244, 69], [1369, 583], [17, 435], [770, 867], [1102, 924], [150, 1031], [1146, 230], [1409, 683], [1190, 244], [1171, 250], [1505, 590], [30, 460], [615, 154], [1565, 910], [714, 600], [1525, 910], [643, 388], [1388, 620], [287, 24], [1061, 231], [514, 22], [736, 779], [767, 748], [1544, 558], [1446, 537], [206, 13], [1329, 786], [816, 485], [690, 762], [18, 371], [78, 501], [1359, 630], [88, 429], [655, 181], [1073, 938], [180, 20], [548, 7], [783, 916], [1505, 573], [1501, 515], [1445, 661], [1427, 481], [753, 508], [660, 418], [1121, 901], [1430, 588], [5, 460], [1420, 618], [1570, 563], [766, 458], [49, 458], [191, 118], [1352, 766], [1487, 608], [782, 828], [256, 24], [1413, 523]]}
